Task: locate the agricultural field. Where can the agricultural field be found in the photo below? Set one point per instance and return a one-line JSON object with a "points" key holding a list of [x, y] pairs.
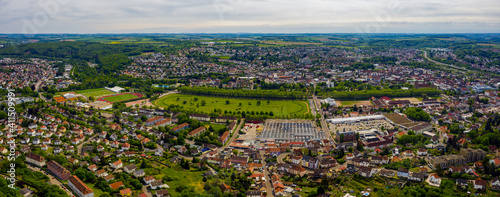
{"points": [[120, 97], [93, 92], [195, 102], [352, 103]]}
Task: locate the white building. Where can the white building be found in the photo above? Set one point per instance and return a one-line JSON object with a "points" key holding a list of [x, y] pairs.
{"points": [[115, 89]]}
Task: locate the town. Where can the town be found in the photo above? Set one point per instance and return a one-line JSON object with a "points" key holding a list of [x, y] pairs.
{"points": [[237, 117]]}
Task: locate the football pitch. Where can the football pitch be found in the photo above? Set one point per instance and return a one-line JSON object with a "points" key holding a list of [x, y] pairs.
{"points": [[94, 92], [119, 98]]}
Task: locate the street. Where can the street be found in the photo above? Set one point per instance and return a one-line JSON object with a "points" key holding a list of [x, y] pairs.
{"points": [[269, 187]]}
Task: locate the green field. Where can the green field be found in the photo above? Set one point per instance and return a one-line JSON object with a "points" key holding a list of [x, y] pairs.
{"points": [[97, 191], [120, 98], [277, 107], [94, 92], [176, 176]]}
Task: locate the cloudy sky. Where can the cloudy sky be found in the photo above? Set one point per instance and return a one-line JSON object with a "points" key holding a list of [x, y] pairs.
{"points": [[252, 16]]}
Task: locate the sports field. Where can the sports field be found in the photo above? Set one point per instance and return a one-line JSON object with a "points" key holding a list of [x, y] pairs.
{"points": [[94, 92], [120, 97], [277, 107]]}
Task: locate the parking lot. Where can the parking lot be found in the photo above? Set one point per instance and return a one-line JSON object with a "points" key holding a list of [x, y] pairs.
{"points": [[251, 132], [363, 125]]}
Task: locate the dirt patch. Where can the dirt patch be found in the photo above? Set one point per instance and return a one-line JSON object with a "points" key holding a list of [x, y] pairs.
{"points": [[411, 99], [137, 102]]}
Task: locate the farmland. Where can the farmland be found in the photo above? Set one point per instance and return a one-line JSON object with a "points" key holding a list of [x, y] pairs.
{"points": [[195, 102]]}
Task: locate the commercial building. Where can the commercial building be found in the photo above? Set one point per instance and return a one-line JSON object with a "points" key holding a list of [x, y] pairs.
{"points": [[294, 130]]}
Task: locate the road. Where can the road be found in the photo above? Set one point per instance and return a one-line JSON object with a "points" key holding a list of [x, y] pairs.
{"points": [[235, 133], [269, 187], [459, 69], [53, 180], [80, 146], [146, 191], [324, 125], [280, 157]]}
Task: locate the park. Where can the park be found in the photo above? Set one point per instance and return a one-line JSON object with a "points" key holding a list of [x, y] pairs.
{"points": [[208, 104]]}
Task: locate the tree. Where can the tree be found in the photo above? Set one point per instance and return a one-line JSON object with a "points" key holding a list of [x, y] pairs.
{"points": [[360, 147], [258, 103], [227, 102], [203, 103], [321, 190]]}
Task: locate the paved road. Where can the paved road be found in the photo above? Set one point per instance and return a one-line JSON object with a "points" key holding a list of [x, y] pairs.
{"points": [[324, 124], [80, 146], [280, 157], [269, 187], [146, 191], [235, 133], [459, 69]]}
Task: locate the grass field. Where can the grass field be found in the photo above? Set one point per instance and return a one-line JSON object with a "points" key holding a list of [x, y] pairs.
{"points": [[277, 107], [178, 176], [94, 92], [120, 98], [97, 191]]}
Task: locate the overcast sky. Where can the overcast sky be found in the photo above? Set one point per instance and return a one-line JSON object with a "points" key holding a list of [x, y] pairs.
{"points": [[252, 16]]}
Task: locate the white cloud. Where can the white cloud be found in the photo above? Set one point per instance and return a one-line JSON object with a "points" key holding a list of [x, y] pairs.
{"points": [[329, 16]]}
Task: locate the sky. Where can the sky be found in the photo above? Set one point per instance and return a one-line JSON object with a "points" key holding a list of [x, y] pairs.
{"points": [[249, 16]]}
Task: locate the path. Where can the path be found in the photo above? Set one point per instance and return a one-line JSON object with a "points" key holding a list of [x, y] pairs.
{"points": [[170, 92]]}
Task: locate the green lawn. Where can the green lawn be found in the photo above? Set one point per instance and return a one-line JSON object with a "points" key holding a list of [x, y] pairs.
{"points": [[278, 107], [119, 98], [97, 191], [218, 126], [94, 92], [176, 176]]}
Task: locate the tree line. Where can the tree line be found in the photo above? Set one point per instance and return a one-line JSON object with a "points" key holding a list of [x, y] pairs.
{"points": [[367, 94], [240, 93]]}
